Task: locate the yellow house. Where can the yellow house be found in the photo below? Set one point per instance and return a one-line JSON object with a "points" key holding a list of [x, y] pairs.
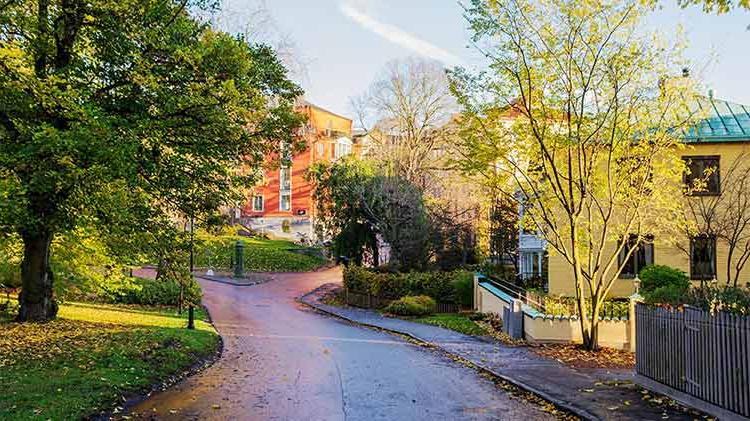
{"points": [[718, 152]]}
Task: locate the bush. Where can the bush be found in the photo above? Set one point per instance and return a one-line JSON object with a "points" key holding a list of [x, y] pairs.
{"points": [[158, 292], [463, 285], [658, 276], [673, 294], [728, 299], [445, 287], [419, 305]]}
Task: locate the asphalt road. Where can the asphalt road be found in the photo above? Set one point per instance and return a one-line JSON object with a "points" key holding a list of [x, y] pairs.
{"points": [[282, 361]]}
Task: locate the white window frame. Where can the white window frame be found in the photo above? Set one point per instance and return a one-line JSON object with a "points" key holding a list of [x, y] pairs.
{"points": [[342, 148], [262, 203], [285, 192]]}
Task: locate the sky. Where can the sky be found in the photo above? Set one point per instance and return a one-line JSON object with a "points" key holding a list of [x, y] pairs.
{"points": [[344, 44]]}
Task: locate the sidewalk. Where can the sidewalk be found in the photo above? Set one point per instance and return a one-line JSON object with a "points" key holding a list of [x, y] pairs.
{"points": [[590, 393]]}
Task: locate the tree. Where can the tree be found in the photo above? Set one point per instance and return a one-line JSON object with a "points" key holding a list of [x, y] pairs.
{"points": [[359, 207], [404, 113], [125, 112], [717, 6], [576, 122], [725, 217]]}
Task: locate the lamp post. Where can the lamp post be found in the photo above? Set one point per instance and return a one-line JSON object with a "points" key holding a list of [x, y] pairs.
{"points": [[239, 266]]}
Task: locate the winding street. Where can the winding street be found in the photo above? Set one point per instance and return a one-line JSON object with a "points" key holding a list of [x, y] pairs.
{"points": [[283, 361]]}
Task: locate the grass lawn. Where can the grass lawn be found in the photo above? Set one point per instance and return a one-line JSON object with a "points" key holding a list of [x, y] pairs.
{"points": [[456, 322], [260, 255], [92, 355]]}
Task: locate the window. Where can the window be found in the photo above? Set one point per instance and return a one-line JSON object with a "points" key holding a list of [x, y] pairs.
{"points": [[343, 147], [257, 203], [703, 257], [285, 189], [285, 204], [702, 177], [639, 258], [320, 149]]}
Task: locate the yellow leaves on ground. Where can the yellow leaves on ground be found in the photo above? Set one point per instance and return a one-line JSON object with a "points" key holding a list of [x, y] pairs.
{"points": [[90, 327], [578, 357], [28, 342]]}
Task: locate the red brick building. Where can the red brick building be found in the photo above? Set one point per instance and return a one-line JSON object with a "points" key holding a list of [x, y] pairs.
{"points": [[282, 204]]}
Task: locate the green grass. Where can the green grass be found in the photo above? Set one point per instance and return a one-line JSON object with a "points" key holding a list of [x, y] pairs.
{"points": [[456, 322], [260, 255], [91, 356]]}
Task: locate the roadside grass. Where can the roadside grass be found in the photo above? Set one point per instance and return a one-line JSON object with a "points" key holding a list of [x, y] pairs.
{"points": [[260, 255], [457, 322], [93, 356]]}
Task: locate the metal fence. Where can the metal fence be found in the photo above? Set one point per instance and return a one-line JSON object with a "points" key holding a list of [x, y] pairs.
{"points": [[371, 301], [704, 355]]}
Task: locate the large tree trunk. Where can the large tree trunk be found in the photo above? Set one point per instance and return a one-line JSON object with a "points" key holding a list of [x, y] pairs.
{"points": [[36, 298]]}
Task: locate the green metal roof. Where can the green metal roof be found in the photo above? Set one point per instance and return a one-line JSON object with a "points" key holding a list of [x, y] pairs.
{"points": [[726, 121]]}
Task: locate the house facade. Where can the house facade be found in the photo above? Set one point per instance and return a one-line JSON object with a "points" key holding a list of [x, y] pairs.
{"points": [[717, 150], [282, 205]]}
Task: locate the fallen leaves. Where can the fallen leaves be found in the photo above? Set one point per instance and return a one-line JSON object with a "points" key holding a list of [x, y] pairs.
{"points": [[576, 356]]}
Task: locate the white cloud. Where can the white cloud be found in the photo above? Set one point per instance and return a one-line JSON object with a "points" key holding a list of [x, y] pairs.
{"points": [[398, 36]]}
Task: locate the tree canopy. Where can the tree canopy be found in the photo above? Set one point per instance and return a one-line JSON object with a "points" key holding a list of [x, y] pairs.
{"points": [[578, 121], [122, 113]]}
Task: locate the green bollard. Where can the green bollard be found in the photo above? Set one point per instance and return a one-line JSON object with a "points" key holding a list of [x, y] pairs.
{"points": [[239, 264]]}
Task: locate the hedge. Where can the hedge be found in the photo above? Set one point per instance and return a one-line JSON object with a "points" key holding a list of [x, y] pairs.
{"points": [[420, 305], [446, 287]]}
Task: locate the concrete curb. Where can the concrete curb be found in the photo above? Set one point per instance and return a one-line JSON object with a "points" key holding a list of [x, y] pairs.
{"points": [[570, 407], [237, 284]]}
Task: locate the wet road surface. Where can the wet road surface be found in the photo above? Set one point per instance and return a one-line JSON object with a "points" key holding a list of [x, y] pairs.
{"points": [[282, 361]]}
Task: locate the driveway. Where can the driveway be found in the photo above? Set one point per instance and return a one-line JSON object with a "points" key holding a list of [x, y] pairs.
{"points": [[282, 361]]}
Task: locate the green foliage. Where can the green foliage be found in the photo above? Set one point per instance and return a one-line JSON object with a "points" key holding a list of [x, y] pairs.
{"points": [[357, 201], [165, 292], [412, 305], [664, 285], [672, 294], [11, 254], [445, 287], [556, 305], [656, 276], [260, 255], [463, 285], [120, 114], [457, 322], [714, 298], [84, 362]]}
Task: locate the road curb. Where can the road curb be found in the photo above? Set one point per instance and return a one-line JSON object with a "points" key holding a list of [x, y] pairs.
{"points": [[237, 284], [574, 409]]}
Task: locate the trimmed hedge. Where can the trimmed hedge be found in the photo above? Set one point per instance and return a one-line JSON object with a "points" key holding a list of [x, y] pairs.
{"points": [[663, 284], [420, 305], [454, 287], [157, 292]]}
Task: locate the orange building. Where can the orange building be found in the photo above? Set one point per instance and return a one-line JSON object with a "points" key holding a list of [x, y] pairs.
{"points": [[282, 204]]}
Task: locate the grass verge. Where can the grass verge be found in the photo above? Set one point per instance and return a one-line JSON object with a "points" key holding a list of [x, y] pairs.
{"points": [[92, 357], [260, 255], [457, 322]]}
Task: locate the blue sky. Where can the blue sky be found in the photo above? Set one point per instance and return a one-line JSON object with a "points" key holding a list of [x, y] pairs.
{"points": [[345, 43]]}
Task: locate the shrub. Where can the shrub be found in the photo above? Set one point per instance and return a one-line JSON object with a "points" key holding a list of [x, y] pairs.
{"points": [[463, 285], [729, 299], [419, 305], [158, 292], [673, 294], [657, 276], [445, 287]]}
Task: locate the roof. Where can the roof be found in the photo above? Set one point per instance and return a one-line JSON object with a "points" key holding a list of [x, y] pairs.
{"points": [[726, 121], [306, 103]]}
